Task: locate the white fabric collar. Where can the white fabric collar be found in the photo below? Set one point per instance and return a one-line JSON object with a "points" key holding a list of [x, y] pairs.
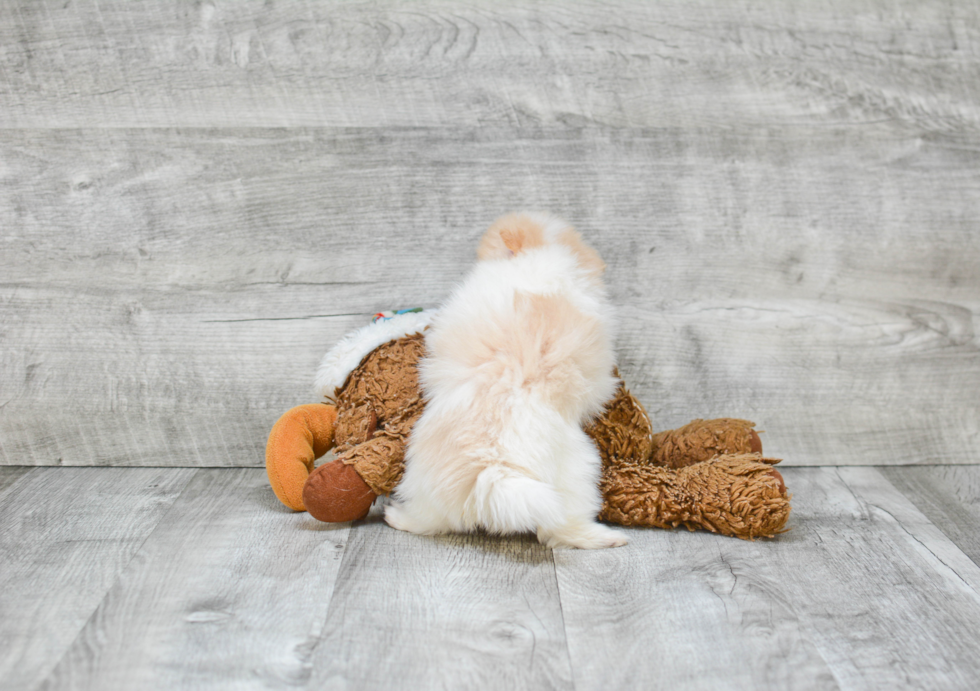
{"points": [[344, 357]]}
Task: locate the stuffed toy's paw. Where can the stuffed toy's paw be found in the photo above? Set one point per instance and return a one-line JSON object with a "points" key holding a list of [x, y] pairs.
{"points": [[335, 493]]}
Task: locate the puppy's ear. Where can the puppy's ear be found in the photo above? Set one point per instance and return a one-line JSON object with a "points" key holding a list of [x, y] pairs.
{"points": [[587, 257], [513, 239], [509, 236]]}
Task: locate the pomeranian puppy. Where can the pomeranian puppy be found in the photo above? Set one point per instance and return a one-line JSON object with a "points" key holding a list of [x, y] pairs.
{"points": [[516, 362]]}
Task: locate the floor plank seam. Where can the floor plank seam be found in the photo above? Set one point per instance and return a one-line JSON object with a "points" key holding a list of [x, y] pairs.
{"points": [[561, 611]]}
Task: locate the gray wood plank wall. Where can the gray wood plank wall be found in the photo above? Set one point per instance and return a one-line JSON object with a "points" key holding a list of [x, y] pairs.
{"points": [[197, 200]]}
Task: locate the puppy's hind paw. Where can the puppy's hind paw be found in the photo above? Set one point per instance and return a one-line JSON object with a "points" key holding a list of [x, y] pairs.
{"points": [[396, 518], [594, 536], [615, 538]]}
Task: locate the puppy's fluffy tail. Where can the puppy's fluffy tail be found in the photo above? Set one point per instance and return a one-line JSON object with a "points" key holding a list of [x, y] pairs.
{"points": [[505, 500]]}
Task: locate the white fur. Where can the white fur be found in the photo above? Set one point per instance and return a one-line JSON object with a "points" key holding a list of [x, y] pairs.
{"points": [[508, 385], [347, 354]]}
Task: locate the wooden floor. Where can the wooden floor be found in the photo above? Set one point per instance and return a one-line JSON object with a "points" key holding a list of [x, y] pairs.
{"points": [[197, 199], [197, 578]]}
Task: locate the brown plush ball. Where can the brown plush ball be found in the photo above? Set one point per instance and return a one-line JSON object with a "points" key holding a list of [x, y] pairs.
{"points": [[335, 493]]}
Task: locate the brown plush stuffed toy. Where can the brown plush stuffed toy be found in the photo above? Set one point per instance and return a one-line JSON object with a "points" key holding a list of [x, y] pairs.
{"points": [[708, 474]]}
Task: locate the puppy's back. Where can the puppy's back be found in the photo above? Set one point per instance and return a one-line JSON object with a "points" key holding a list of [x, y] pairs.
{"points": [[536, 322]]}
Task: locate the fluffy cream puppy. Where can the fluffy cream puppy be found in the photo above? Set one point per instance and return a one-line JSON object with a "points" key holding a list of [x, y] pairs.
{"points": [[519, 358]]}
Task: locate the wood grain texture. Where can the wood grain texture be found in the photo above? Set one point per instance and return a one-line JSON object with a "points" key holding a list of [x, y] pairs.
{"points": [[625, 63], [862, 593], [10, 475], [230, 591], [884, 498], [832, 382], [414, 612], [198, 199], [167, 294], [112, 580], [948, 496], [65, 536]]}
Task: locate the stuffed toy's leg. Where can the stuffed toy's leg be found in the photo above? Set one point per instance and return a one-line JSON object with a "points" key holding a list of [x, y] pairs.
{"points": [[298, 438], [369, 463], [335, 491], [344, 489], [624, 432], [701, 440], [734, 495]]}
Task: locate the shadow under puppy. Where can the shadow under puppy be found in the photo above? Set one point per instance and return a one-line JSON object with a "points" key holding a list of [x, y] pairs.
{"points": [[518, 361]]}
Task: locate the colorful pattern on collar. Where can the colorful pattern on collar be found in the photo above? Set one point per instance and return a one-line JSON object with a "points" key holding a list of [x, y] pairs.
{"points": [[385, 316]]}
